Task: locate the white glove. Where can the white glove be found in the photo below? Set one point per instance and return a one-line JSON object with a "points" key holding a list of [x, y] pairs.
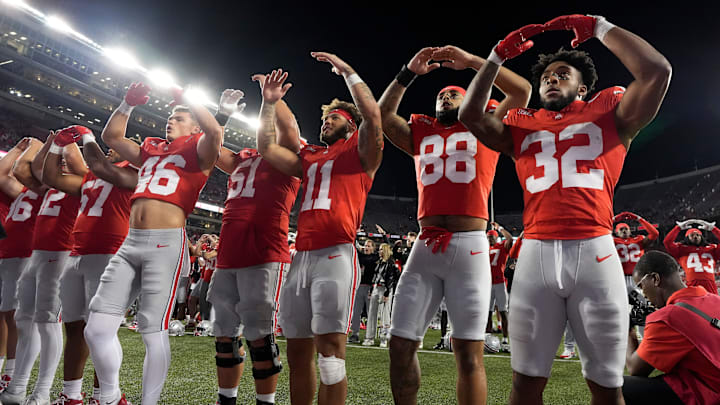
{"points": [[685, 224]]}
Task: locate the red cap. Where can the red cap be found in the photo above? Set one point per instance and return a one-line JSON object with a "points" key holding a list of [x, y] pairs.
{"points": [[692, 231], [456, 88], [621, 225], [492, 232]]}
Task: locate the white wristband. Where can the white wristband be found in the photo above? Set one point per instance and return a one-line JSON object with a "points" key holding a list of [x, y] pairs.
{"points": [[353, 79], [56, 149], [88, 138], [125, 108], [494, 58], [602, 26]]}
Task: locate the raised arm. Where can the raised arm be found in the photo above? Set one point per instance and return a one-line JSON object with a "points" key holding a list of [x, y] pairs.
{"points": [[396, 128], [370, 139], [208, 147], [36, 166], [285, 160], [486, 126], [114, 132], [670, 245], [651, 70], [286, 126], [52, 173], [23, 170], [8, 183], [516, 89], [506, 234]]}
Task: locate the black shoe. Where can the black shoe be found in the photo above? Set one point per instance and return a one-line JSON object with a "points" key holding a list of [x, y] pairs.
{"points": [[259, 402], [439, 346], [223, 400]]}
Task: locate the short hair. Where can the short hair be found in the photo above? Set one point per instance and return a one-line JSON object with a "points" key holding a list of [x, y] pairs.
{"points": [[656, 261], [184, 109], [580, 60], [345, 106], [412, 234]]}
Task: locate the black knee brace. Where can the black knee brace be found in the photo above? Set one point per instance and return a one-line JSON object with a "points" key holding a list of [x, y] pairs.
{"points": [[228, 347], [269, 351]]}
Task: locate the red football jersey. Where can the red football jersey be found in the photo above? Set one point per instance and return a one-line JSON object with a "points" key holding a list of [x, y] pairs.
{"points": [[257, 213], [697, 261], [103, 219], [171, 172], [55, 221], [19, 224], [209, 269], [451, 168], [5, 203], [568, 163], [498, 258], [335, 189], [630, 251]]}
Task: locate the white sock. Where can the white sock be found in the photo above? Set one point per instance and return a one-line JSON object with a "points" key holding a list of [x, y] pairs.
{"points": [[51, 344], [96, 392], [228, 392], [156, 365], [73, 388], [2, 361], [10, 368], [106, 352], [266, 397], [28, 348]]}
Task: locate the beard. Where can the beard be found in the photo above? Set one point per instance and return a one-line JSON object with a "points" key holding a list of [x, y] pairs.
{"points": [[447, 117], [559, 103], [334, 136]]}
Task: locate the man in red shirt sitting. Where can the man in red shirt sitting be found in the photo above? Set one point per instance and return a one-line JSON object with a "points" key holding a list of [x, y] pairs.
{"points": [[682, 344]]}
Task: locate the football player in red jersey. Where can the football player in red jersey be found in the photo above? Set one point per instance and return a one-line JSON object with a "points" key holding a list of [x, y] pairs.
{"points": [[153, 256], [696, 256], [569, 156], [245, 287], [631, 248], [10, 263], [499, 251], [100, 229], [38, 288], [452, 168], [317, 300]]}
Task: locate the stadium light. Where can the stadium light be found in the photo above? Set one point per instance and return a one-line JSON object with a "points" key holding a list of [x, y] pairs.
{"points": [[161, 78], [254, 123], [122, 58], [196, 95], [58, 24], [15, 3]]}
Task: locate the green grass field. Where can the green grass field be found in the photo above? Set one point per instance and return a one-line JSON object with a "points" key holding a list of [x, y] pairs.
{"points": [[191, 379]]}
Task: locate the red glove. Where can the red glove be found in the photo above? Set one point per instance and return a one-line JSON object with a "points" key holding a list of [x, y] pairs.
{"points": [[178, 95], [137, 94], [582, 25], [632, 217], [71, 134], [517, 41]]}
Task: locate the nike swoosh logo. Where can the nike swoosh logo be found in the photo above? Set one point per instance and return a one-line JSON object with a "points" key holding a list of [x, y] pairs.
{"points": [[332, 257], [602, 259], [162, 246], [474, 253]]}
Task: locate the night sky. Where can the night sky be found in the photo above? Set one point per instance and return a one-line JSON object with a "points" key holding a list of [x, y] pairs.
{"points": [[220, 44]]}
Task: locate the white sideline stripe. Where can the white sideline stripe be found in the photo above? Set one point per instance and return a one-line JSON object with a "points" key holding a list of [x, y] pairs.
{"points": [[438, 352]]}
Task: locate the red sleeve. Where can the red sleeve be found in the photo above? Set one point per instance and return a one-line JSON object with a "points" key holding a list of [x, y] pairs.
{"points": [[492, 105], [716, 232], [663, 347], [608, 99], [653, 233], [515, 250], [671, 246]]}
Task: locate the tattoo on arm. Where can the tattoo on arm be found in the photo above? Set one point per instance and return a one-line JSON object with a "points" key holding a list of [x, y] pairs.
{"points": [[267, 136]]}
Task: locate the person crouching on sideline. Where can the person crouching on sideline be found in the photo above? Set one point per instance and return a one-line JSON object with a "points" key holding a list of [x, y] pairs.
{"points": [[680, 339]]}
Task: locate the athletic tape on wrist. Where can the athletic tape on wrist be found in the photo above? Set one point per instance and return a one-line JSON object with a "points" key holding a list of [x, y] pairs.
{"points": [[56, 149], [494, 58], [602, 26], [88, 138], [405, 77], [353, 79], [125, 108]]}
